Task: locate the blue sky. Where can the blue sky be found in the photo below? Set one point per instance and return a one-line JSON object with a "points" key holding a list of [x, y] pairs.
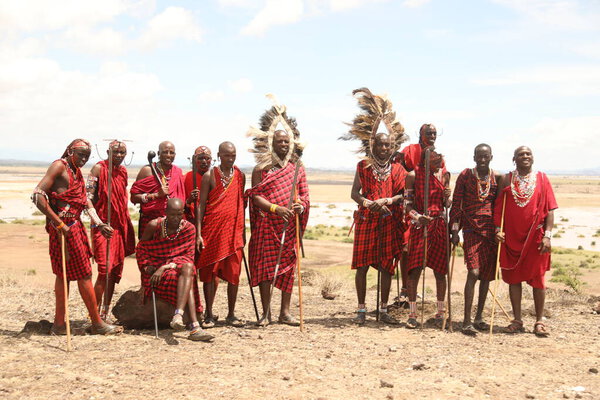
{"points": [[504, 72]]}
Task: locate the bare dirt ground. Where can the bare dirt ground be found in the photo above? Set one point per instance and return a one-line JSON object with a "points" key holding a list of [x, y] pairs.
{"points": [[332, 359]]}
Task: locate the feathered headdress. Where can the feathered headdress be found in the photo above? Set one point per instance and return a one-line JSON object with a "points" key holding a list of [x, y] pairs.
{"points": [[375, 110], [263, 137]]}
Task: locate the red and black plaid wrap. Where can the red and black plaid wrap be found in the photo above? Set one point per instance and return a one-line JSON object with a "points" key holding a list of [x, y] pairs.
{"points": [[267, 228], [77, 247], [223, 226], [475, 218], [436, 231], [160, 251], [122, 242], [377, 237]]}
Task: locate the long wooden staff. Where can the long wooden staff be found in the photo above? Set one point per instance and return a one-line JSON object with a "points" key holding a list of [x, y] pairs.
{"points": [[298, 264], [108, 219], [151, 155], [425, 212], [379, 264], [285, 225], [250, 285], [451, 273], [65, 288], [497, 272]]}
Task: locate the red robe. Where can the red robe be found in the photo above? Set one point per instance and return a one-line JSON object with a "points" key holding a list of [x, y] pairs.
{"points": [[188, 183], [267, 228], [474, 217], [378, 237], [159, 251], [122, 242], [156, 208], [223, 229], [520, 258], [437, 237], [77, 247]]}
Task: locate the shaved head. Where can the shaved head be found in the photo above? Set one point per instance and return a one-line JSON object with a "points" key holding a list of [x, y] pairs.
{"points": [[518, 149], [226, 146], [174, 204], [163, 145]]}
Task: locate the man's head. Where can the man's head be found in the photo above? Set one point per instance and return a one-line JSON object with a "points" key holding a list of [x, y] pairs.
{"points": [[382, 146], [78, 152], [482, 155], [174, 211], [227, 154], [523, 157], [427, 134], [281, 143], [166, 153], [203, 158], [119, 151]]}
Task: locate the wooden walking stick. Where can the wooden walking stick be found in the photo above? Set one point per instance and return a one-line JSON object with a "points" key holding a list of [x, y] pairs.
{"points": [[497, 272], [285, 225], [500, 305], [250, 285], [108, 219], [379, 262], [155, 317], [65, 288], [451, 273], [299, 272], [425, 212]]}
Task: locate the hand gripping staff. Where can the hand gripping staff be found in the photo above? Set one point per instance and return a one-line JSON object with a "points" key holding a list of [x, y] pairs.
{"points": [[425, 212], [497, 272], [285, 225], [151, 155]]}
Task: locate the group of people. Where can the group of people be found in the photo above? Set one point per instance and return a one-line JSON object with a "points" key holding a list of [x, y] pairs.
{"points": [[193, 226]]}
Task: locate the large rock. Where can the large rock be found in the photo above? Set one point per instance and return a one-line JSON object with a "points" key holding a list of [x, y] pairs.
{"points": [[131, 312]]}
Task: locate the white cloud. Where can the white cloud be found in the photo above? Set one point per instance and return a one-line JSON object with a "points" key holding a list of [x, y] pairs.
{"points": [[211, 96], [275, 12], [591, 50], [242, 85], [241, 3], [564, 14], [105, 41], [564, 80], [173, 23], [415, 3]]}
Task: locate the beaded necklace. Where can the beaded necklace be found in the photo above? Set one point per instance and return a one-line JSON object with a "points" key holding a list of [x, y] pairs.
{"points": [[483, 185], [164, 230], [381, 172], [226, 180], [523, 187]]}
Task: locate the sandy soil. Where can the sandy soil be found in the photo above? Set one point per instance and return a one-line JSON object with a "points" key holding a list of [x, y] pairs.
{"points": [[332, 359]]}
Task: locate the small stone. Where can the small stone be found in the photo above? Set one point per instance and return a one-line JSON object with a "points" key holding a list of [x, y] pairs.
{"points": [[390, 396], [260, 337], [286, 378], [593, 370], [418, 366], [578, 395], [566, 396], [385, 384], [529, 396], [393, 349]]}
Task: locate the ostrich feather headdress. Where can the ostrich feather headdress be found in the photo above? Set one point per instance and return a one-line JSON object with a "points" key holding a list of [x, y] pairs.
{"points": [[374, 110], [263, 137]]}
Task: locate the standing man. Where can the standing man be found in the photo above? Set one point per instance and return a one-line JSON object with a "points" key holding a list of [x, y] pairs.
{"points": [[220, 231], [378, 190], [203, 159], [152, 195], [165, 257], [437, 236], [472, 206], [528, 223], [61, 196], [277, 154], [122, 241]]}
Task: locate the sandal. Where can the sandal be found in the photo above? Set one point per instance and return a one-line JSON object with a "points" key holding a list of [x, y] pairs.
{"points": [[539, 328], [106, 329], [470, 330], [288, 320], [59, 330], [177, 323], [264, 321], [361, 316], [208, 323], [198, 335], [412, 322], [515, 327], [388, 319], [481, 326], [235, 322]]}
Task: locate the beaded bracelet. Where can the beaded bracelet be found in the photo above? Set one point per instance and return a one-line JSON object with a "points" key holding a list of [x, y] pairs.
{"points": [[62, 223], [273, 208]]}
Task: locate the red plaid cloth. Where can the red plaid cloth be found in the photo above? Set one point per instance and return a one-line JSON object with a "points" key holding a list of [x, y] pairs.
{"points": [[156, 208], [378, 238], [122, 243], [188, 183], [77, 247], [474, 217], [160, 251], [436, 231], [267, 228], [223, 224]]}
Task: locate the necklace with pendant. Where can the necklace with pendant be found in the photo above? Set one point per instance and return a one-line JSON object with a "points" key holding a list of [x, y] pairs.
{"points": [[483, 185], [523, 187]]}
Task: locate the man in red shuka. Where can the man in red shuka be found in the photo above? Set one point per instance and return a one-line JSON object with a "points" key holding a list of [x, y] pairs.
{"points": [[61, 196], [528, 223], [220, 231], [203, 158], [122, 242]]}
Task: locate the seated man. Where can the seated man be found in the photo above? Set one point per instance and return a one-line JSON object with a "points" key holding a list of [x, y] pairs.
{"points": [[165, 256]]}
